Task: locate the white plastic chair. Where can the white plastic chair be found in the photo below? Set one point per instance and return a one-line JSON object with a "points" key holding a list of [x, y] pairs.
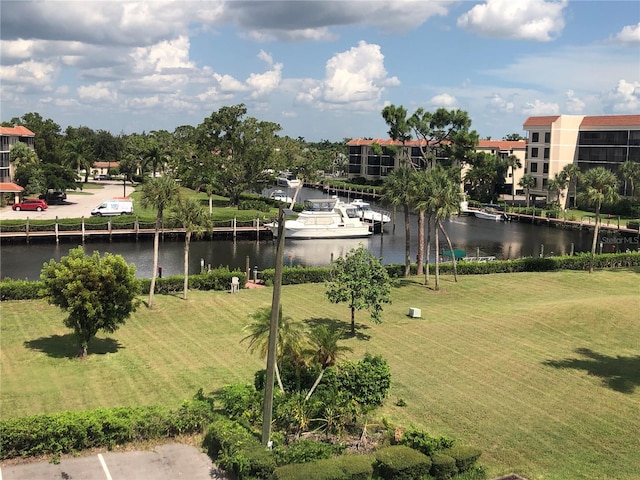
{"points": [[235, 284]]}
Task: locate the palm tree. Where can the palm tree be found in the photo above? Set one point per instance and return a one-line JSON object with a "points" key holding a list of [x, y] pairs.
{"points": [[443, 199], [158, 193], [572, 172], [598, 187], [324, 350], [630, 172], [527, 182], [557, 184], [77, 156], [194, 219], [397, 192], [513, 162], [290, 343]]}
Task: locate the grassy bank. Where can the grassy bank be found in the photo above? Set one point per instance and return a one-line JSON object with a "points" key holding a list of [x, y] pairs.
{"points": [[541, 371]]}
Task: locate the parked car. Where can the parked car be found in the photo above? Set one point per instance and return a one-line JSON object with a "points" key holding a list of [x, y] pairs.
{"points": [[54, 197], [102, 177], [34, 204]]}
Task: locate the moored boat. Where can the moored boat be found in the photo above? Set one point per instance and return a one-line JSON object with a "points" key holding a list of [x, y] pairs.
{"points": [[324, 218], [368, 214], [280, 196], [287, 179]]}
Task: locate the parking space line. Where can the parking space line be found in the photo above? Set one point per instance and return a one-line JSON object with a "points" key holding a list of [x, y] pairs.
{"points": [[104, 467]]}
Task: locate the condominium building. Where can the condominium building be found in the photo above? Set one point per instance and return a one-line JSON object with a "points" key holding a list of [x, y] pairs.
{"points": [[586, 141], [10, 136]]}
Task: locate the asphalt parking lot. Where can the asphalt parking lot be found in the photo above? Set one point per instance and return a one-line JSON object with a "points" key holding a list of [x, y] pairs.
{"points": [[77, 205], [165, 462]]}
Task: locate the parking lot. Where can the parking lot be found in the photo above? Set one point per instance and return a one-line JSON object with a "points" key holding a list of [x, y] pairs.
{"points": [[165, 462], [77, 204]]}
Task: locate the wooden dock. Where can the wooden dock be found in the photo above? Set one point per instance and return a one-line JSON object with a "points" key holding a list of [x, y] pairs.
{"points": [[611, 225]]}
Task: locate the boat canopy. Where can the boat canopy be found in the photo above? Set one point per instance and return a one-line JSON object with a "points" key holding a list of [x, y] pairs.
{"points": [[458, 253]]}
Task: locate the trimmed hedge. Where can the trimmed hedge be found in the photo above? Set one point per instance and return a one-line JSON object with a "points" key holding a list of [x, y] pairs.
{"points": [[399, 462], [443, 466], [20, 289], [345, 467], [464, 455], [72, 431], [298, 275]]}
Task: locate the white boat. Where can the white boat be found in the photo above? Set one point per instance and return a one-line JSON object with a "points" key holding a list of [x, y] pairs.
{"points": [[490, 214], [287, 179], [368, 214], [324, 218], [280, 196]]}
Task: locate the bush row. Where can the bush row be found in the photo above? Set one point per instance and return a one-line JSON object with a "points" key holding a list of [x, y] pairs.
{"points": [[71, 431], [345, 467]]}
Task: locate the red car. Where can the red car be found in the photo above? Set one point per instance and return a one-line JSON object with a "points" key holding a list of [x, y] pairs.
{"points": [[30, 204]]}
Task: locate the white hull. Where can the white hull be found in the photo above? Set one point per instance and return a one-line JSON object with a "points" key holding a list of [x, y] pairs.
{"points": [[309, 233], [369, 215], [498, 217]]}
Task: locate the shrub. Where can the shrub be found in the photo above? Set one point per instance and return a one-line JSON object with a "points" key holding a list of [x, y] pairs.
{"points": [[464, 455], [318, 470], [399, 462], [241, 401], [20, 289], [304, 451], [423, 442], [443, 466], [356, 467], [297, 275]]}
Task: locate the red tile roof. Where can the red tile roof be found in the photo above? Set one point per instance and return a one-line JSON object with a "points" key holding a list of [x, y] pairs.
{"points": [[502, 144], [10, 187], [356, 142], [106, 164], [540, 121], [611, 121], [17, 131]]}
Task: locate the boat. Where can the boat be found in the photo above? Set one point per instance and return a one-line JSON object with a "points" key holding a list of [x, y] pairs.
{"points": [[490, 214], [287, 179], [324, 218], [368, 214], [280, 196]]}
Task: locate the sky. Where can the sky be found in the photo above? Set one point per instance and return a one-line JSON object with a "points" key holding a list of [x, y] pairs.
{"points": [[322, 70]]}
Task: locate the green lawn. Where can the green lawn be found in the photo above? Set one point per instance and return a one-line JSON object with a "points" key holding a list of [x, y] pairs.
{"points": [[540, 371]]}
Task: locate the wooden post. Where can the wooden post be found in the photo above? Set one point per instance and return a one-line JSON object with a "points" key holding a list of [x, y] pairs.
{"points": [[26, 230], [55, 226], [136, 228], [258, 228], [233, 225], [109, 228], [82, 228]]}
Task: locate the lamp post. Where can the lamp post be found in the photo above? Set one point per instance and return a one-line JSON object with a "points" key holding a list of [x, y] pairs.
{"points": [[273, 331]]}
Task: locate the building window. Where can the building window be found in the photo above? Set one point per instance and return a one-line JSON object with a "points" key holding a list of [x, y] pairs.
{"points": [[535, 137], [546, 152], [534, 152], [545, 168], [545, 182], [547, 137], [534, 167]]}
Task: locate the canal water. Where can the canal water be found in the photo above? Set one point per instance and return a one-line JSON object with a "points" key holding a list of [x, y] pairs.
{"points": [[474, 236]]}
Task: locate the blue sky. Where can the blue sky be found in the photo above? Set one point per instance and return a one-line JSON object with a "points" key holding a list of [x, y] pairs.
{"points": [[321, 69]]}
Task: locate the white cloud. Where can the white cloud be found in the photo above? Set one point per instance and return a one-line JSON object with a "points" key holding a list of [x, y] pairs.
{"points": [[499, 104], [443, 100], [629, 34], [165, 55], [30, 73], [97, 93], [264, 83], [229, 84], [356, 77], [538, 107], [623, 98], [574, 105], [536, 20]]}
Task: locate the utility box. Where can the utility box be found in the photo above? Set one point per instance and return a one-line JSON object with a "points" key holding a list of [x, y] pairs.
{"points": [[414, 312]]}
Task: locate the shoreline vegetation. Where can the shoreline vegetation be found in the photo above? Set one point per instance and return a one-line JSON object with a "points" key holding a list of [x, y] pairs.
{"points": [[539, 375]]}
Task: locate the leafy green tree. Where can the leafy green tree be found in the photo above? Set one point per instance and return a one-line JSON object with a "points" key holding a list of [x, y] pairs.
{"points": [[289, 345], [513, 137], [598, 187], [20, 155], [98, 293], [485, 176], [527, 182], [188, 212], [397, 192], [630, 173], [158, 193], [48, 139], [324, 350], [360, 280]]}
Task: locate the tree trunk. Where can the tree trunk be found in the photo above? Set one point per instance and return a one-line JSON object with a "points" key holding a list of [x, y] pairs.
{"points": [[156, 247], [353, 322], [594, 242], [453, 254], [420, 258], [211, 204], [185, 287], [428, 249], [315, 385], [435, 234], [279, 378], [407, 243]]}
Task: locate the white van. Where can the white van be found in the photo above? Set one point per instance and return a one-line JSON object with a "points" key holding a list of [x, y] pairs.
{"points": [[115, 206]]}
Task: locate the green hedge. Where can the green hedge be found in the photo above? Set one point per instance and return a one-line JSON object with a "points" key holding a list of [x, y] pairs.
{"points": [[345, 467], [298, 275], [464, 455], [72, 431], [443, 466], [399, 462]]}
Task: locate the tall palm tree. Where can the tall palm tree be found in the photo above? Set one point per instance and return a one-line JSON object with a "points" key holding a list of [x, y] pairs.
{"points": [[598, 186], [443, 199], [630, 173], [77, 155], [194, 219], [158, 193], [397, 192], [324, 350], [527, 182], [557, 184], [290, 343], [572, 172], [513, 162]]}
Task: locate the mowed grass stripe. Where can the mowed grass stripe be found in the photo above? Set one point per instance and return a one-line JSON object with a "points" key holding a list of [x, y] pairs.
{"points": [[472, 368]]}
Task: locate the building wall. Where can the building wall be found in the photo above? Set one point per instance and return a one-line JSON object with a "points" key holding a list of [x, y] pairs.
{"points": [[10, 136]]}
